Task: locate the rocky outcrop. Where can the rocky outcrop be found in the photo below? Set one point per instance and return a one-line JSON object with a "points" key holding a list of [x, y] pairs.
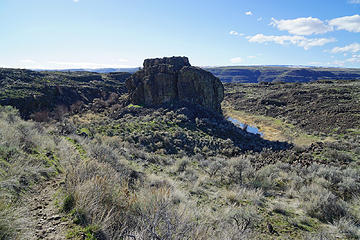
{"points": [[166, 80]]}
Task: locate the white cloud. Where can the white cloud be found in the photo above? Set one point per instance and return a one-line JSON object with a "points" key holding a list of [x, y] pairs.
{"points": [[301, 26], [354, 47], [354, 59], [76, 1], [261, 38], [348, 23], [251, 57], [236, 60], [308, 43], [248, 13], [300, 41], [307, 26], [354, 1], [235, 33], [259, 19]]}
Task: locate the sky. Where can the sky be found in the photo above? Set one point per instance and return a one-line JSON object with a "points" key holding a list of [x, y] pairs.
{"points": [[60, 34]]}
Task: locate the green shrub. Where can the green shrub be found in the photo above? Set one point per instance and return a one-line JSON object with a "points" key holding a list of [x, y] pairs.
{"points": [[322, 204], [68, 204]]}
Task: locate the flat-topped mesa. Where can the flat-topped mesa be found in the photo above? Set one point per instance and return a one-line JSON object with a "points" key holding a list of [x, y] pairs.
{"points": [[176, 62], [166, 80]]}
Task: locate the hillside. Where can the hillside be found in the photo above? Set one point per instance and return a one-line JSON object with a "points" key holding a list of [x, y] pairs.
{"points": [[328, 107], [36, 92], [255, 74]]}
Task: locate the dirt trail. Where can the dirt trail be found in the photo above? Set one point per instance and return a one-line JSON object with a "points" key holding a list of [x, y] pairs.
{"points": [[47, 222]]}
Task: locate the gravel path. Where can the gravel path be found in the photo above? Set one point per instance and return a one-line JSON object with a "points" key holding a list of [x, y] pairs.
{"points": [[47, 221]]}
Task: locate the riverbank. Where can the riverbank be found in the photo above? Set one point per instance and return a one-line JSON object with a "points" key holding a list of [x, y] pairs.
{"points": [[273, 129]]}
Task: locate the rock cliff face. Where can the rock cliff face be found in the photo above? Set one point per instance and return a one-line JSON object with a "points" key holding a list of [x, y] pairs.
{"points": [[164, 80]]}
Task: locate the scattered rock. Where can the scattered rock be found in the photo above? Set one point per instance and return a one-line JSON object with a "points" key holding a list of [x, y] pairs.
{"points": [[55, 217]]}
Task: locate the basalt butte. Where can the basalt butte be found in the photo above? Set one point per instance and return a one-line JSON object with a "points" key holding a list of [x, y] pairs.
{"points": [[173, 79]]}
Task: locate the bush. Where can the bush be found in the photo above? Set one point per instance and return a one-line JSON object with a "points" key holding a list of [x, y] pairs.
{"points": [[160, 219], [322, 204], [241, 195], [68, 204], [239, 169], [270, 177], [182, 164], [348, 228], [239, 223], [214, 166]]}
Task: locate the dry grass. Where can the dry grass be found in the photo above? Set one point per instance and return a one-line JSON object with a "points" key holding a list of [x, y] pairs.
{"points": [[124, 192], [28, 155]]}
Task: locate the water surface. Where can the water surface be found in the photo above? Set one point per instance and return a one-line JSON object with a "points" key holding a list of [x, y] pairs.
{"points": [[249, 129]]}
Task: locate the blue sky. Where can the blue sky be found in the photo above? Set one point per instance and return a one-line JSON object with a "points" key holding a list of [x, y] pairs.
{"points": [[122, 33]]}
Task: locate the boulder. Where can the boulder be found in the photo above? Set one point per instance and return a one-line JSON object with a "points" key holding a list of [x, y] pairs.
{"points": [[167, 80]]}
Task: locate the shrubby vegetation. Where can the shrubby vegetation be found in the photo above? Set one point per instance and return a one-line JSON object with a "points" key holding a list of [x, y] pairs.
{"points": [[131, 172], [28, 155], [176, 129], [120, 195]]}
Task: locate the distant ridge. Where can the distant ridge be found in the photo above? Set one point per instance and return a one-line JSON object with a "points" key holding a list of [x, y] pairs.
{"points": [[255, 74], [96, 70]]}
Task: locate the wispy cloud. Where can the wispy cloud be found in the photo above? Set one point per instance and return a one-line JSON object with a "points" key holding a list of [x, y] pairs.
{"points": [[354, 1], [301, 26], [355, 59], [76, 1], [348, 23], [248, 13], [353, 48], [235, 33], [259, 19], [300, 41], [236, 60]]}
